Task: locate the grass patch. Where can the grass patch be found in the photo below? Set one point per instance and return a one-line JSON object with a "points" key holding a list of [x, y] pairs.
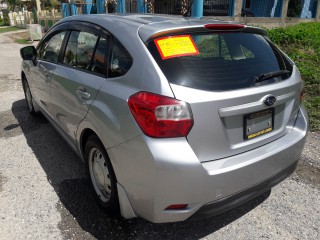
{"points": [[22, 41], [9, 29], [302, 44]]}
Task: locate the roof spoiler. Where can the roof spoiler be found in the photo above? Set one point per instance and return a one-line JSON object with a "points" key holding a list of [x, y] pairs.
{"points": [[209, 28]]}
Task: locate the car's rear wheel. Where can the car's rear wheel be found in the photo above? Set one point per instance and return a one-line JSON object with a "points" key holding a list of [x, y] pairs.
{"points": [[100, 172], [28, 96]]}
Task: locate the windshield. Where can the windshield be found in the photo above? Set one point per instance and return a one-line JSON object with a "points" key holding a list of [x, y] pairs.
{"points": [[219, 61]]}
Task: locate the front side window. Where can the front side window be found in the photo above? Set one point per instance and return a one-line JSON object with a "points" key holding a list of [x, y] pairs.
{"points": [[80, 49], [51, 48]]}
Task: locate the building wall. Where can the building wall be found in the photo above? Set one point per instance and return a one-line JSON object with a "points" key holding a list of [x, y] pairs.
{"points": [[267, 13], [265, 8]]}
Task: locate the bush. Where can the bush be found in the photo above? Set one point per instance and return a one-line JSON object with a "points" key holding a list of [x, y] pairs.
{"points": [[302, 44], [6, 19]]}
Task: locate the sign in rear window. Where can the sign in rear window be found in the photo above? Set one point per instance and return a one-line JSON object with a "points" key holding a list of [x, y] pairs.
{"points": [[176, 46]]}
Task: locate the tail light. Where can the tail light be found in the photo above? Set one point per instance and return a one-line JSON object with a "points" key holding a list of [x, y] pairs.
{"points": [[159, 116]]}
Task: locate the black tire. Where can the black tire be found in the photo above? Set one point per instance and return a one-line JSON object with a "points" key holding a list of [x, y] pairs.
{"points": [[28, 96], [103, 181]]}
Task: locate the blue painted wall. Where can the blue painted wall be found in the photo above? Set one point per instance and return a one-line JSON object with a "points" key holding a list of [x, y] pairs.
{"points": [[101, 8], [197, 9], [65, 9], [121, 6], [309, 9], [265, 8]]}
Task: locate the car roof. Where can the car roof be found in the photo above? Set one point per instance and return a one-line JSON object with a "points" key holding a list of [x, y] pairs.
{"points": [[151, 25]]}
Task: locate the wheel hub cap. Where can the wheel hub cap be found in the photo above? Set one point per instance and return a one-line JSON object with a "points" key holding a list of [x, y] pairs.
{"points": [[99, 174]]}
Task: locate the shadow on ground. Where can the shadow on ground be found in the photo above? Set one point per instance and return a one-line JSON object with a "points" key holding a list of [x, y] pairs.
{"points": [[81, 218]]}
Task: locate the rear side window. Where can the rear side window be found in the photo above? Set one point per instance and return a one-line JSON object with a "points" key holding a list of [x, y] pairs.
{"points": [[221, 61], [80, 49], [120, 61], [99, 59]]}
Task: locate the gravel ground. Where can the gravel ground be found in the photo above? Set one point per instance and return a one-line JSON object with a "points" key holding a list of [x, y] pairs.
{"points": [[44, 193]]}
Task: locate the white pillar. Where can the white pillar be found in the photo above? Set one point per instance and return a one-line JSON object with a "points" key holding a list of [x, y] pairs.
{"points": [[38, 5], [284, 11], [318, 11], [237, 10]]}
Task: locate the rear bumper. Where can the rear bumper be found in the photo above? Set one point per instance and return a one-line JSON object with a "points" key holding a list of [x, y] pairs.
{"points": [[227, 203], [156, 173]]}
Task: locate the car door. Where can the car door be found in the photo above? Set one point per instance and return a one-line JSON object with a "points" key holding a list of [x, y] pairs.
{"points": [[81, 73], [47, 59]]}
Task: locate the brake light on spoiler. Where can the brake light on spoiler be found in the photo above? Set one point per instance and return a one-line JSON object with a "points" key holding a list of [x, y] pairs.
{"points": [[224, 26]]}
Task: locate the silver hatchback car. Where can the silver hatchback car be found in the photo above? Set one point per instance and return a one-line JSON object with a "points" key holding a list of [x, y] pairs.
{"points": [[173, 117]]}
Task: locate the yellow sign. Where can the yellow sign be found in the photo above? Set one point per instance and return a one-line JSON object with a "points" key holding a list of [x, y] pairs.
{"points": [[259, 133], [176, 46]]}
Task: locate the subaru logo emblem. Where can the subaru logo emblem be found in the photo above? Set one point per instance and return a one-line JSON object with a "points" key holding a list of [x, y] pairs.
{"points": [[269, 101]]}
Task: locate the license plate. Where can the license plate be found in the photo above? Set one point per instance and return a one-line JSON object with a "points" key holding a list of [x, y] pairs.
{"points": [[258, 123]]}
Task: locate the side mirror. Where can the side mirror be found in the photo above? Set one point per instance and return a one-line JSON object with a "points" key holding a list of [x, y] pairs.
{"points": [[28, 53]]}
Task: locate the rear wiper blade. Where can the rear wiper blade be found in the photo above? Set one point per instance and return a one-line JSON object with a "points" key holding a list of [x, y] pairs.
{"points": [[266, 76]]}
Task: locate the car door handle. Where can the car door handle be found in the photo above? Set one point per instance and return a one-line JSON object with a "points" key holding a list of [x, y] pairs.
{"points": [[83, 94]]}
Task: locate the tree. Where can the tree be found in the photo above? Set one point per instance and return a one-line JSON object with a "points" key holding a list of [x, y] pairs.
{"points": [[14, 3], [6, 19], [29, 4], [54, 3]]}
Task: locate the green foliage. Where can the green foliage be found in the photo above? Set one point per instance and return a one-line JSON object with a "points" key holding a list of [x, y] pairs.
{"points": [[30, 4], [208, 47], [22, 41], [302, 44], [303, 33], [13, 3], [49, 4], [9, 29], [54, 3], [6, 20]]}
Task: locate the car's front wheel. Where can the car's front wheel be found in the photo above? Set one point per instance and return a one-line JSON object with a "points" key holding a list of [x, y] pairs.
{"points": [[100, 172]]}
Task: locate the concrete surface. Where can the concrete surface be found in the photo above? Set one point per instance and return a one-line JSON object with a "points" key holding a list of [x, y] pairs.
{"points": [[44, 192]]}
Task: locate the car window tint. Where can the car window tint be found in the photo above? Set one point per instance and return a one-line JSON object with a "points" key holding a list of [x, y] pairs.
{"points": [[121, 60], [99, 59], [80, 49], [224, 61], [212, 46], [50, 49], [247, 53]]}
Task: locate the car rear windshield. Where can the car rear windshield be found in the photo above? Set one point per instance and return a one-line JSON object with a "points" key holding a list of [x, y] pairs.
{"points": [[219, 61]]}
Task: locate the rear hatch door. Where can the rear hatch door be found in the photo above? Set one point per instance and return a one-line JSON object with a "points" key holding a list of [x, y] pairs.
{"points": [[243, 91]]}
